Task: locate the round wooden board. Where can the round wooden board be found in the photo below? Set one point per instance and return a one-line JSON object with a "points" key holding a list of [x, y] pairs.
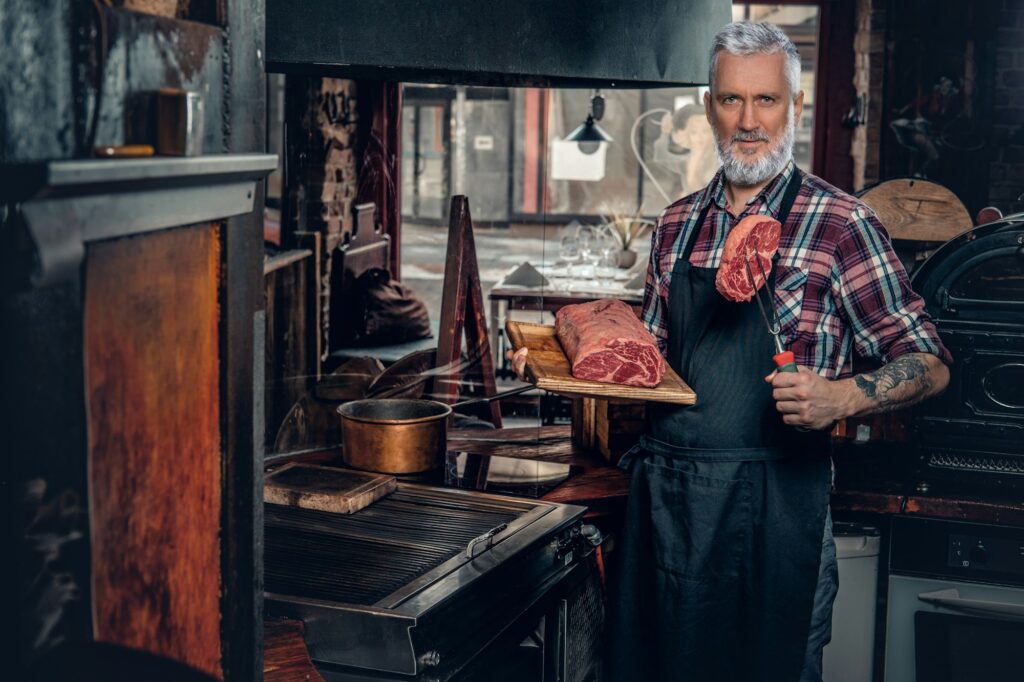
{"points": [[917, 210]]}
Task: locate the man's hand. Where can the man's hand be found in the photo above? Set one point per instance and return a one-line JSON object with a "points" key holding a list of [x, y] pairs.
{"points": [[807, 399], [518, 359]]}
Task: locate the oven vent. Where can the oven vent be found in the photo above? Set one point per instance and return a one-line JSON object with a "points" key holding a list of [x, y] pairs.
{"points": [[982, 463]]}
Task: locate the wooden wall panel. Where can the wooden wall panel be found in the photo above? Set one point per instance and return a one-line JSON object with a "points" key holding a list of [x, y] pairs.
{"points": [[152, 389]]}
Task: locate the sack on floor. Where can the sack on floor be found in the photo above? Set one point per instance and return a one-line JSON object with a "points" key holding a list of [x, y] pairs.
{"points": [[391, 312]]}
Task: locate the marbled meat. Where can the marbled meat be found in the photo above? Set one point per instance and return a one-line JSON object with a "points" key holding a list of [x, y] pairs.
{"points": [[754, 237], [605, 341]]}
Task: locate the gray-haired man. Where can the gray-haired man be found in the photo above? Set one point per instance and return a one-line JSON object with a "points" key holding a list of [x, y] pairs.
{"points": [[727, 568]]}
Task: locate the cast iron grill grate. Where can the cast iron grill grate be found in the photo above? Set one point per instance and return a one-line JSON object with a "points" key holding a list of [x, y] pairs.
{"points": [[363, 557]]}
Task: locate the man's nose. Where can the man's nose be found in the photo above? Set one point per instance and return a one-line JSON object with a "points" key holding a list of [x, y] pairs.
{"points": [[748, 119]]}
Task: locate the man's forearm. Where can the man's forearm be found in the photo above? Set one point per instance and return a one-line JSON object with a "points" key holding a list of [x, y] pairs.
{"points": [[905, 381]]}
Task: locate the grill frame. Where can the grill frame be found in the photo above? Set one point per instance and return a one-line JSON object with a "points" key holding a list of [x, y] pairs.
{"points": [[400, 632]]}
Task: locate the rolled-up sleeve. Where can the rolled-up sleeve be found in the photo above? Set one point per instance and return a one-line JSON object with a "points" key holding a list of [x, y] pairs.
{"points": [[653, 313], [887, 317]]}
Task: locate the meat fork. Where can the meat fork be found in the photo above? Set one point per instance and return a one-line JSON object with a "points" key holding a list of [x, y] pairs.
{"points": [[784, 359]]}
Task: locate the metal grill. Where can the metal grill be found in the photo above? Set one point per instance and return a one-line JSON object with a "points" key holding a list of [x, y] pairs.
{"points": [[361, 558], [987, 464]]}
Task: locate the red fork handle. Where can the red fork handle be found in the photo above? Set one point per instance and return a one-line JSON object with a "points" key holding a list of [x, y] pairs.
{"points": [[785, 361]]}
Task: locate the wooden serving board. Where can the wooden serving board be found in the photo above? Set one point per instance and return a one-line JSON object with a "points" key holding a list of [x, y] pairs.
{"points": [[917, 210], [325, 488], [547, 367]]}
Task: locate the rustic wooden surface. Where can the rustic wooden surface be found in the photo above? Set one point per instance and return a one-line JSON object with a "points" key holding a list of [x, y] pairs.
{"points": [[326, 488], [917, 210], [598, 482], [462, 312], [318, 301], [548, 368], [861, 486], [989, 509], [367, 247], [379, 150], [290, 361], [151, 339], [285, 656], [607, 427]]}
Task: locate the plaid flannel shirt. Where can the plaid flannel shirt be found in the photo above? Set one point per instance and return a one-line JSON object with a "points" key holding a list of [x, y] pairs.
{"points": [[839, 286]]}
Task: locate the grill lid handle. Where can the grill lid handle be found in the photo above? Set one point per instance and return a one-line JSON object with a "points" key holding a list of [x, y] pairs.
{"points": [[487, 539]]}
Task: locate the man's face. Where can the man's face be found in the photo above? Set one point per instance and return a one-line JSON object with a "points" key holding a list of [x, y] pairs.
{"points": [[752, 117]]}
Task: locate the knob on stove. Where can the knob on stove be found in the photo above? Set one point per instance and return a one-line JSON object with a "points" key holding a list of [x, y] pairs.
{"points": [[979, 555]]}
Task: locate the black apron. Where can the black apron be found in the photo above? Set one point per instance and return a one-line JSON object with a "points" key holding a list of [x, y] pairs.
{"points": [[722, 539]]}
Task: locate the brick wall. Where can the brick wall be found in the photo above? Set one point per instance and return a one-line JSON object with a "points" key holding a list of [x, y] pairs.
{"points": [[1007, 134], [1007, 170]]}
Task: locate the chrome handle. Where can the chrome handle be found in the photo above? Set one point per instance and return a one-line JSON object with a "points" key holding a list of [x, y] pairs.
{"points": [[951, 599], [487, 538]]}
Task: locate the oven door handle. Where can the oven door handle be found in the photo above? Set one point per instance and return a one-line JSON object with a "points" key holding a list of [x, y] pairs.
{"points": [[951, 599]]}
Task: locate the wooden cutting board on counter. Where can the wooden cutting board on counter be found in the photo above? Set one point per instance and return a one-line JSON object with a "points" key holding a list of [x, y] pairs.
{"points": [[330, 489], [547, 367]]}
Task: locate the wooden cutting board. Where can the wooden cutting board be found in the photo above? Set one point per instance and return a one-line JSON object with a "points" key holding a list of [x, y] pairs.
{"points": [[310, 486], [547, 367], [917, 210]]}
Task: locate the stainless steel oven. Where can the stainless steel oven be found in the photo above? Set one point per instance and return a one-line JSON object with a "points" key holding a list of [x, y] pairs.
{"points": [[956, 602]]}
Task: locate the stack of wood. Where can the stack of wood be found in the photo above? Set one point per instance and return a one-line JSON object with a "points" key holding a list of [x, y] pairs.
{"points": [[607, 427]]}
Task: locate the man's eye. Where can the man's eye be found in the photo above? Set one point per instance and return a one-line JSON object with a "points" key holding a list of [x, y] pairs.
{"points": [[728, 100], [767, 100]]}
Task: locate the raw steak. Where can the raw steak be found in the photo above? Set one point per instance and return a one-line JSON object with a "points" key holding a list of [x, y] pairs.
{"points": [[605, 341], [755, 234]]}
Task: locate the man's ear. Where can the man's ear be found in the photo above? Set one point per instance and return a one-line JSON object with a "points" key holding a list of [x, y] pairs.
{"points": [[707, 105], [798, 105]]}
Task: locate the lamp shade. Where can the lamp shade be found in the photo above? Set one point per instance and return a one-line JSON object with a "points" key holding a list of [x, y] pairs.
{"points": [[588, 131], [589, 136]]}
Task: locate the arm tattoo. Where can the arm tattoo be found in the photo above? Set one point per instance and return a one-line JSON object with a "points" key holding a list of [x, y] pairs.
{"points": [[901, 383]]}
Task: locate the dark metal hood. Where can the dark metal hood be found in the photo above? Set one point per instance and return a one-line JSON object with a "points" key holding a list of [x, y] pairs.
{"points": [[540, 43]]}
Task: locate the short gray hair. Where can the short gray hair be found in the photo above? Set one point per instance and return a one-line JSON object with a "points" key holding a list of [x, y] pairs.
{"points": [[744, 38]]}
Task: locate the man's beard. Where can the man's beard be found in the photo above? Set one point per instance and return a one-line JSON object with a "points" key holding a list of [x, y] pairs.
{"points": [[746, 174]]}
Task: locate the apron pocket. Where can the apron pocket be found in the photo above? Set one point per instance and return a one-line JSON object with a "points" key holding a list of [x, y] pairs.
{"points": [[700, 524]]}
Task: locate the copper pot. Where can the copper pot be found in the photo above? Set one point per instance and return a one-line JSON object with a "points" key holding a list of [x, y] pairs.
{"points": [[394, 436]]}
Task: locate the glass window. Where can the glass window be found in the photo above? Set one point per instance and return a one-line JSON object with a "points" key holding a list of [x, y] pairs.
{"points": [[536, 200], [994, 279], [505, 149]]}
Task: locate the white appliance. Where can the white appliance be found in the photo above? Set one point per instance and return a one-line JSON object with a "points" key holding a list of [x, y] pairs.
{"points": [[956, 603], [849, 657]]}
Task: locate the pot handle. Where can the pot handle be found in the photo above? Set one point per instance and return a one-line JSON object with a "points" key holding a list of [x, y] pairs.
{"points": [[496, 396]]}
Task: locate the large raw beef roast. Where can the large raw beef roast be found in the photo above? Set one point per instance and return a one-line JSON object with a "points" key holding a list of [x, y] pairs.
{"points": [[756, 237], [605, 341]]}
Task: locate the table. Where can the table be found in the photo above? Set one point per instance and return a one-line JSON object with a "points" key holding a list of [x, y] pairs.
{"points": [[563, 291]]}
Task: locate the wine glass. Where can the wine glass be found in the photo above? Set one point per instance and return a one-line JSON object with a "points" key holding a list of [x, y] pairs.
{"points": [[609, 255], [569, 252], [587, 238]]}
